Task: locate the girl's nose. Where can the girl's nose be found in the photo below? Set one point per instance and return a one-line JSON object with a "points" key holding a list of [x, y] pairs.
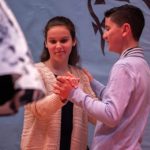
{"points": [[58, 44]]}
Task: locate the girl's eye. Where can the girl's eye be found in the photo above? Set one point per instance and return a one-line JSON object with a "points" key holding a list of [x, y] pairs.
{"points": [[64, 40], [52, 41]]}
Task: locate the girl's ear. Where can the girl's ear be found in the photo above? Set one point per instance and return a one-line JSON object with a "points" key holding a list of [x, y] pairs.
{"points": [[45, 44], [75, 42]]}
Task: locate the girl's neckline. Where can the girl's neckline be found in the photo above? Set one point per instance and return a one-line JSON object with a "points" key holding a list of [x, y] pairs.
{"points": [[57, 72]]}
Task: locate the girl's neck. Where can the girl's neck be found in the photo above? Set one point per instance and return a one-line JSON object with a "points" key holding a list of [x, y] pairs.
{"points": [[57, 68]]}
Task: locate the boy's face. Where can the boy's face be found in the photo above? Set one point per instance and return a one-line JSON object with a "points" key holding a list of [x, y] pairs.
{"points": [[113, 35]]}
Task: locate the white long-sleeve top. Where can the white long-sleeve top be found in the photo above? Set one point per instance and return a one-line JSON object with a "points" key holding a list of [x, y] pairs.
{"points": [[124, 103]]}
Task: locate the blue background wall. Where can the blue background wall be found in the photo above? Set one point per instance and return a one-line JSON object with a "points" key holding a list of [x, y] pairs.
{"points": [[32, 15]]}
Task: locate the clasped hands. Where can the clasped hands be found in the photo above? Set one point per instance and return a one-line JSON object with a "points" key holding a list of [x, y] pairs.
{"points": [[65, 84]]}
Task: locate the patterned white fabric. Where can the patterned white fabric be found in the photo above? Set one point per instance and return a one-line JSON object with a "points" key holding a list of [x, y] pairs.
{"points": [[17, 71]]}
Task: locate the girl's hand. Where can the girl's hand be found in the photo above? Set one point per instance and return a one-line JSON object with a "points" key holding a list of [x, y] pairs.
{"points": [[64, 85]]}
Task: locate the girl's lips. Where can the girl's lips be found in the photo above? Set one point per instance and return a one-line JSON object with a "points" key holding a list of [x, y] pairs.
{"points": [[61, 51]]}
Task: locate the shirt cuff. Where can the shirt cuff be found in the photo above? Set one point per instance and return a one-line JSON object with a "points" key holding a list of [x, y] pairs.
{"points": [[77, 96]]}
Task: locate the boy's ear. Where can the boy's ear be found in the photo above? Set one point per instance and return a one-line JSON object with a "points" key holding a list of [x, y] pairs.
{"points": [[126, 29]]}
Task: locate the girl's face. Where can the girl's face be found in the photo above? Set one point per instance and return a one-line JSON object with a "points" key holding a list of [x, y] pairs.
{"points": [[59, 43]]}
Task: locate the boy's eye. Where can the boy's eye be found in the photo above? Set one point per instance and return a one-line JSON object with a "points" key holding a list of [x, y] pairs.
{"points": [[106, 28]]}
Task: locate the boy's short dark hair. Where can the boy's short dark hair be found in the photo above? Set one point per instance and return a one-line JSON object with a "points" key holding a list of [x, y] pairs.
{"points": [[128, 14]]}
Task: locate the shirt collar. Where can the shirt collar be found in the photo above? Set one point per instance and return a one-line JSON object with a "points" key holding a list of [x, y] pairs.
{"points": [[133, 52]]}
